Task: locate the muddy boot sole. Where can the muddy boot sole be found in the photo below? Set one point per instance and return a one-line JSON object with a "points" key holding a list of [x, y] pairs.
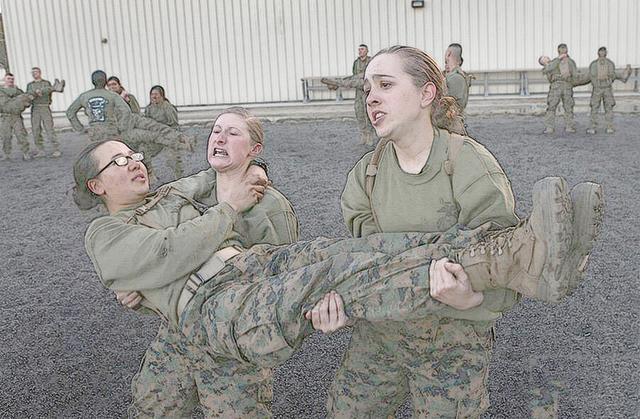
{"points": [[551, 197], [588, 212]]}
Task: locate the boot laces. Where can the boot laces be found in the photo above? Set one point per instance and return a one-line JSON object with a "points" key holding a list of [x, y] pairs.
{"points": [[495, 242]]}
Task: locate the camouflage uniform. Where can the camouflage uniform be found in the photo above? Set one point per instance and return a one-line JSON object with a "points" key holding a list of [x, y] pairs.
{"points": [[41, 114], [367, 132], [251, 312], [441, 363], [133, 103], [13, 101], [175, 375], [602, 73], [458, 86], [560, 74], [167, 114], [108, 114]]}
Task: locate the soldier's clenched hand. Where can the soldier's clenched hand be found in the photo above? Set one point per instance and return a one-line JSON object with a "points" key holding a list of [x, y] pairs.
{"points": [[245, 194], [450, 285], [328, 314]]}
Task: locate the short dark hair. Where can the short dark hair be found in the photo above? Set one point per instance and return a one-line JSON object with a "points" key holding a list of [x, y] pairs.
{"points": [[99, 78], [159, 89], [457, 49], [114, 78], [35, 68], [562, 46], [602, 49], [363, 45], [9, 74]]}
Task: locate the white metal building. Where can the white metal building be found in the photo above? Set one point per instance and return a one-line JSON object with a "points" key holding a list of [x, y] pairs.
{"points": [[251, 51]]}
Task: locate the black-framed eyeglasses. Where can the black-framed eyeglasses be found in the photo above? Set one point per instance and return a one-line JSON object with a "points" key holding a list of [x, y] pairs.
{"points": [[122, 161]]}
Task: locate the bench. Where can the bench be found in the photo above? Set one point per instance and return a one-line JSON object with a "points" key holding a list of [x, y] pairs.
{"points": [[313, 84]]}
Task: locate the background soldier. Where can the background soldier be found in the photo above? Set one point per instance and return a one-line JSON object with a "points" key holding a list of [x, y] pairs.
{"points": [[105, 110], [356, 80], [457, 80], [113, 83], [602, 73], [41, 90], [560, 71], [161, 110], [12, 102]]}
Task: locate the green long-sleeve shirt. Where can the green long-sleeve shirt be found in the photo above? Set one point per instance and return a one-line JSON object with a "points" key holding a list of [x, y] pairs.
{"points": [[164, 113], [427, 202], [42, 91], [560, 70], [156, 255]]}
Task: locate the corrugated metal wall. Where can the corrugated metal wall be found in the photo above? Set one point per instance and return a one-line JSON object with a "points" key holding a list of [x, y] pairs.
{"points": [[243, 51]]}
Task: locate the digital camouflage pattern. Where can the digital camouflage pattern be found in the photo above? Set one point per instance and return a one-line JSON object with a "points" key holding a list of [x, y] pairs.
{"points": [[561, 74], [107, 112], [175, 376], [478, 192], [167, 114], [41, 115], [13, 101]]}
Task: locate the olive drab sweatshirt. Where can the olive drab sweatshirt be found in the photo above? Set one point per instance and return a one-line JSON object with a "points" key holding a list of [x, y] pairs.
{"points": [[431, 201], [156, 254]]}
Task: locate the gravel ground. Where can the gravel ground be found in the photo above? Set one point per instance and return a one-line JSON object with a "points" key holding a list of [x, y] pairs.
{"points": [[67, 349]]}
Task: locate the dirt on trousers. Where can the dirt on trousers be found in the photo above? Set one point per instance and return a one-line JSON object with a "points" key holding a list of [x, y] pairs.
{"points": [[67, 348]]}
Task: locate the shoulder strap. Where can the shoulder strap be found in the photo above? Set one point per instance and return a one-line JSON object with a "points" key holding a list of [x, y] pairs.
{"points": [[453, 149], [370, 178], [143, 209]]}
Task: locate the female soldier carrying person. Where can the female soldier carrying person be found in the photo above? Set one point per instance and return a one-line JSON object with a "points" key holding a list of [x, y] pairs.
{"points": [[425, 176], [249, 305]]}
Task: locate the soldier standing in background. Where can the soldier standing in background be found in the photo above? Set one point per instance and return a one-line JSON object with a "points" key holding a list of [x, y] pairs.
{"points": [[106, 110], [41, 90], [456, 79], [602, 73], [356, 80], [13, 101], [560, 71], [113, 83], [161, 110]]}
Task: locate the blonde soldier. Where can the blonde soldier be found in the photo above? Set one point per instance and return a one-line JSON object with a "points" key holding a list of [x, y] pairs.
{"points": [[426, 177], [172, 377], [41, 90], [456, 79], [161, 110], [602, 73], [560, 72], [113, 83], [13, 101]]}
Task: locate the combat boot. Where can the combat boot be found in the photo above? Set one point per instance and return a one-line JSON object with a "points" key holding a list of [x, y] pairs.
{"points": [[26, 156], [548, 130], [609, 130], [56, 153], [570, 130], [332, 84], [529, 257], [588, 211], [591, 130]]}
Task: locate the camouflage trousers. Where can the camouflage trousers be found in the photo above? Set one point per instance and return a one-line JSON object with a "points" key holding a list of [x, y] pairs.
{"points": [[558, 91], [9, 125], [368, 134], [604, 95], [253, 310], [147, 141], [442, 364], [41, 117], [99, 131], [176, 376]]}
